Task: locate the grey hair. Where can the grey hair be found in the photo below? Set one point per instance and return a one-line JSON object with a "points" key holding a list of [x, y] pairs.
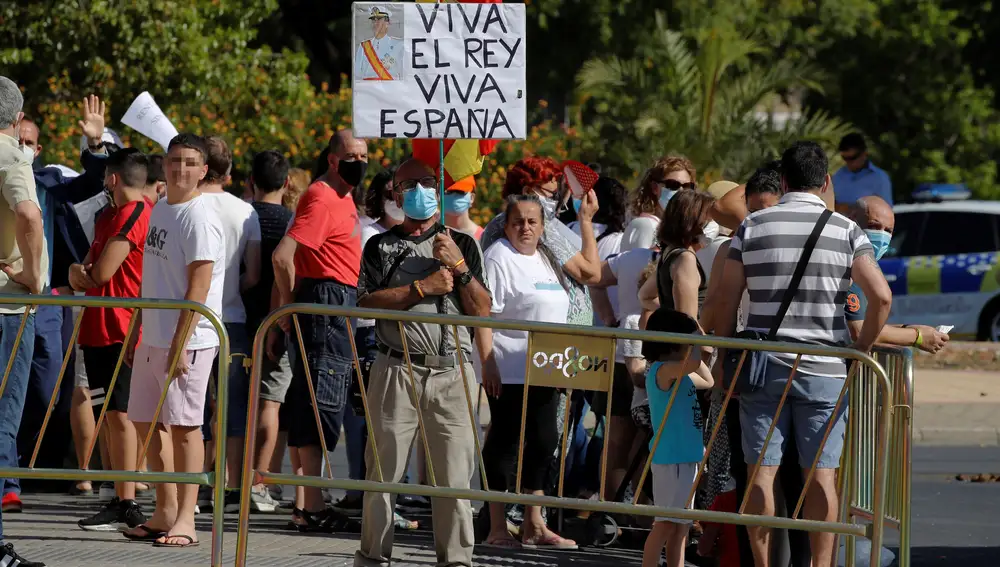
{"points": [[514, 200], [11, 102]]}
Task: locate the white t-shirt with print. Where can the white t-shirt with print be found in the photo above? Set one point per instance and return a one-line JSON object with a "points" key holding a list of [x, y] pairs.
{"points": [[240, 225], [627, 267], [525, 288], [640, 233], [178, 236]]}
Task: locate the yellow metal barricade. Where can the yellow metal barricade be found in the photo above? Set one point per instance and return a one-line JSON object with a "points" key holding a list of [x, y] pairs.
{"points": [[872, 407], [215, 479]]}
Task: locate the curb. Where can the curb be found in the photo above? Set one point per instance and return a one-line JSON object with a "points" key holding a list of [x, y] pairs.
{"points": [[981, 436]]}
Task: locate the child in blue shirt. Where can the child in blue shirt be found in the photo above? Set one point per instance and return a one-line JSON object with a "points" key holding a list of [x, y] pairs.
{"points": [[680, 449]]}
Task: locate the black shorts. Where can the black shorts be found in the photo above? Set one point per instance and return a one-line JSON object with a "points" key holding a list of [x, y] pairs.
{"points": [[621, 403], [100, 364]]}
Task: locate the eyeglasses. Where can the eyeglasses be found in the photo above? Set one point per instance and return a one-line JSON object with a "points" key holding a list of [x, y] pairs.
{"points": [[408, 184], [674, 185]]}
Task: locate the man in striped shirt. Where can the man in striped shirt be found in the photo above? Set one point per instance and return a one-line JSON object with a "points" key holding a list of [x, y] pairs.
{"points": [[762, 257]]}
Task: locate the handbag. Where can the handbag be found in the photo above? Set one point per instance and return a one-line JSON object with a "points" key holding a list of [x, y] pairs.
{"points": [[751, 376]]}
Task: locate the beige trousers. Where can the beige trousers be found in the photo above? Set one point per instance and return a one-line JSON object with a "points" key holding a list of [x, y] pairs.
{"points": [[393, 419]]}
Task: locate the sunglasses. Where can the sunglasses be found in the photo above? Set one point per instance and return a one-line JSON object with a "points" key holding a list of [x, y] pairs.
{"points": [[408, 184], [674, 185], [850, 158]]}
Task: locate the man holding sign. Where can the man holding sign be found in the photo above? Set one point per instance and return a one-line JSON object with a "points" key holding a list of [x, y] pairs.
{"points": [[377, 58]]}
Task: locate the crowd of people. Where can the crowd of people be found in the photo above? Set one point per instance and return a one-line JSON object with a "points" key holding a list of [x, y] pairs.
{"points": [[766, 258]]}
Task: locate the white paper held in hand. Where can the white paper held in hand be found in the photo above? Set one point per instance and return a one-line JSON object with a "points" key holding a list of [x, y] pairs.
{"points": [[945, 328], [145, 117]]}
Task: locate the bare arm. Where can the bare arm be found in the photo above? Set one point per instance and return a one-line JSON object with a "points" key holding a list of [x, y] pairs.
{"points": [[114, 253], [585, 267], [866, 273], [474, 296], [684, 273], [608, 277], [710, 308], [732, 285], [398, 298], [251, 265], [649, 297], [31, 242], [199, 282], [602, 305], [284, 269]]}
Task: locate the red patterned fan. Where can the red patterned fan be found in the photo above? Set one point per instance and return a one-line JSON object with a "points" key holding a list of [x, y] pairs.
{"points": [[581, 179]]}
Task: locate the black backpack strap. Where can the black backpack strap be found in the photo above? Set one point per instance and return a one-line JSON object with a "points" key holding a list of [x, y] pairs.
{"points": [[800, 270]]}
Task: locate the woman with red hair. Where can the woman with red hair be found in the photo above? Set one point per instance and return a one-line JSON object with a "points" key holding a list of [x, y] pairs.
{"points": [[576, 255]]}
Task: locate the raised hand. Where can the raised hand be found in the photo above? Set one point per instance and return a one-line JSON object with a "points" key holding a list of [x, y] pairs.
{"points": [[93, 119]]}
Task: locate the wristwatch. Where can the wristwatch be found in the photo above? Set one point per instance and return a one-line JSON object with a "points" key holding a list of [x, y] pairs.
{"points": [[464, 278]]}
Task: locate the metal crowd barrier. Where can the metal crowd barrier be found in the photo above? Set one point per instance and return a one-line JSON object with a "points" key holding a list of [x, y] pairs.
{"points": [[898, 365], [215, 479], [592, 358]]}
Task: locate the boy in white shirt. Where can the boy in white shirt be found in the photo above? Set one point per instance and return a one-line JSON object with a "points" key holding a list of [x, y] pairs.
{"points": [[241, 231], [184, 258]]}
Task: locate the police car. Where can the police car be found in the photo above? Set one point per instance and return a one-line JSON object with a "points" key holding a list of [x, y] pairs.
{"points": [[942, 263]]}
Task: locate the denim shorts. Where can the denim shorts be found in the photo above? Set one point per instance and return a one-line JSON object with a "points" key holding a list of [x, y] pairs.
{"points": [[329, 356], [806, 414]]}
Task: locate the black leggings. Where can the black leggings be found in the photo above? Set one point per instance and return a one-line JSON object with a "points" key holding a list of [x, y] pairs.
{"points": [[540, 437]]}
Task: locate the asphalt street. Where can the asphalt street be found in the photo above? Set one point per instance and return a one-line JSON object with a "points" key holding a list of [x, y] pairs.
{"points": [[955, 522]]}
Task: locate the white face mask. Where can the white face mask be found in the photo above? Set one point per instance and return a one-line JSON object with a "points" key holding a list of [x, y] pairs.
{"points": [[393, 211], [29, 154]]}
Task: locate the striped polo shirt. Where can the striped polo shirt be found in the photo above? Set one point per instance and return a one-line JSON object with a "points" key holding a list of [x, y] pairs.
{"points": [[769, 244]]}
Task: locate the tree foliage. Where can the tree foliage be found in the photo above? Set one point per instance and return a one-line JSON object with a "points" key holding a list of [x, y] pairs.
{"points": [[697, 95]]}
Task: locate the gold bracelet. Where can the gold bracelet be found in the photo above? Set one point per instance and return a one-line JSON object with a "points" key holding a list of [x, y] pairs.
{"points": [[457, 264], [420, 292]]}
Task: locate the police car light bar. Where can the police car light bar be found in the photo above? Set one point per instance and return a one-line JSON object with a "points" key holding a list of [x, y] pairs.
{"points": [[941, 192]]}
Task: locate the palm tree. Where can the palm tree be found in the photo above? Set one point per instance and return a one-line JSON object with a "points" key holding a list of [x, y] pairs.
{"points": [[705, 96]]}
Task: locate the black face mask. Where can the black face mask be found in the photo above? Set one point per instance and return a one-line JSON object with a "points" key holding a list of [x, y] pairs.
{"points": [[352, 172]]}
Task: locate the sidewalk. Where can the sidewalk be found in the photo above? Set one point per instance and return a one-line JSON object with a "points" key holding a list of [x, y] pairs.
{"points": [[956, 407]]}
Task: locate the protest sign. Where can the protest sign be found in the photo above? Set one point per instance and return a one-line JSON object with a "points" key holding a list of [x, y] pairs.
{"points": [[145, 117], [442, 71]]}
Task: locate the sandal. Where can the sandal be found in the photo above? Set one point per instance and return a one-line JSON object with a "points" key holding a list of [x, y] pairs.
{"points": [[327, 521], [555, 542], [191, 542], [502, 543], [150, 534]]}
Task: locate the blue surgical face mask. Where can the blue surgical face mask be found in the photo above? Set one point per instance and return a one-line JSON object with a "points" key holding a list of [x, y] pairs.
{"points": [[420, 203], [576, 205], [457, 204], [665, 196], [880, 242]]}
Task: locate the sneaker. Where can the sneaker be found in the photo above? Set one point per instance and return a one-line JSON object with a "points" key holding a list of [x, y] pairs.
{"points": [[104, 521], [107, 492], [412, 504], [349, 506], [130, 515], [277, 494], [10, 557], [11, 503], [205, 498], [260, 501]]}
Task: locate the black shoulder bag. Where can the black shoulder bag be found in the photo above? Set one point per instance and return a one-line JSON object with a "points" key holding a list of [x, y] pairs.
{"points": [[751, 376]]}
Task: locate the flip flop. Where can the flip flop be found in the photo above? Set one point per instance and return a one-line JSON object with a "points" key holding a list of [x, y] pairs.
{"points": [[557, 543], [191, 541], [151, 534], [507, 543]]}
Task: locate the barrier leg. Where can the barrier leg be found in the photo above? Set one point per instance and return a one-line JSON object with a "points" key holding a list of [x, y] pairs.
{"points": [[17, 343], [364, 400], [416, 406], [111, 385], [312, 394], [472, 416], [55, 390]]}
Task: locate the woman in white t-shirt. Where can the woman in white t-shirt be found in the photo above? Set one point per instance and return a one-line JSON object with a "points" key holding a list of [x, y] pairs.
{"points": [[668, 175], [527, 286]]}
